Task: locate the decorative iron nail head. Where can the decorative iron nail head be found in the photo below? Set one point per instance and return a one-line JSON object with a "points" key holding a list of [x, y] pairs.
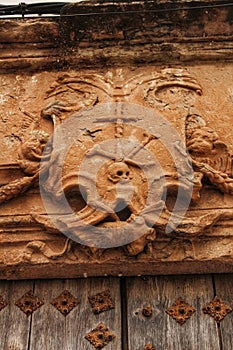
{"points": [[149, 347], [3, 303], [147, 311], [101, 302], [29, 303], [65, 302], [180, 311], [217, 309], [100, 336]]}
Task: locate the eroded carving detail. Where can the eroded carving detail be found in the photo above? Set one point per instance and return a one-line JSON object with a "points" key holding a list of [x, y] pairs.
{"points": [[30, 156], [121, 173], [173, 89], [43, 248], [210, 156], [211, 159], [16, 188], [112, 174]]}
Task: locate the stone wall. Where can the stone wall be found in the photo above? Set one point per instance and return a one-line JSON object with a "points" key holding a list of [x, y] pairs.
{"points": [[131, 87]]}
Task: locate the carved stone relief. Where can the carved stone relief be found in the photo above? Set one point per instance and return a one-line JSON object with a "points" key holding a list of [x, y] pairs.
{"points": [[210, 156], [117, 193]]}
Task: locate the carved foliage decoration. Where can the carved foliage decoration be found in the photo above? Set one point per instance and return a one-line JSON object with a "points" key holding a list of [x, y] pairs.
{"points": [[174, 89]]}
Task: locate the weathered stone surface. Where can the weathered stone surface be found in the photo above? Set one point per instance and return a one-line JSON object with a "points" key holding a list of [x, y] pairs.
{"points": [[117, 160], [119, 33]]}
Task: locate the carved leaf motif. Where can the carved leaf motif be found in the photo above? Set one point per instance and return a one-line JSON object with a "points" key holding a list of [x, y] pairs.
{"points": [[15, 188], [172, 89], [68, 95]]}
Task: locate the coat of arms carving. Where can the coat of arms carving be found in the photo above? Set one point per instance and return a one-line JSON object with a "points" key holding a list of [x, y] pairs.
{"points": [[123, 164]]}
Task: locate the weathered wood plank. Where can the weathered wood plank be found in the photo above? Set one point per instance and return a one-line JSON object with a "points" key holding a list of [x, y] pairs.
{"points": [[53, 331], [224, 288], [14, 324], [200, 332]]}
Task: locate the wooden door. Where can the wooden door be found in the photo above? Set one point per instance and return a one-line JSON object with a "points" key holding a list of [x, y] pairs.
{"points": [[118, 313]]}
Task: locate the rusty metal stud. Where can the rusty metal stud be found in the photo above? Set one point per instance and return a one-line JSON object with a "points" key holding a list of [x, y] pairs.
{"points": [[180, 311], [101, 302], [29, 303], [149, 347], [3, 303], [147, 311], [217, 309], [100, 336], [65, 302]]}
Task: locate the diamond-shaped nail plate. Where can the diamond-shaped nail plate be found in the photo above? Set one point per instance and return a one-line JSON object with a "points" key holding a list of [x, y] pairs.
{"points": [[149, 347], [65, 302], [101, 302], [100, 336], [3, 303], [29, 303], [217, 309], [180, 311]]}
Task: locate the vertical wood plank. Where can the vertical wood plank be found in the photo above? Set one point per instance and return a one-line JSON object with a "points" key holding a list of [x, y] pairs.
{"points": [[14, 324], [52, 331], [200, 332], [224, 290]]}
